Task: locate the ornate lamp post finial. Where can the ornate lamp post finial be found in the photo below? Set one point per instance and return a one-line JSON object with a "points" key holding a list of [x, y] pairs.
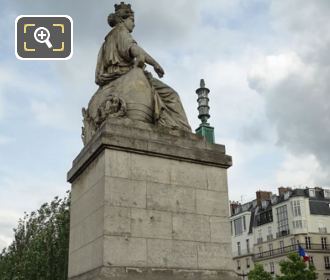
{"points": [[204, 128], [203, 102]]}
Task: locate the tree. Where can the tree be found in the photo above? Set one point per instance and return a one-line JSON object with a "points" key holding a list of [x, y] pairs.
{"points": [[258, 273], [296, 269], [40, 247]]}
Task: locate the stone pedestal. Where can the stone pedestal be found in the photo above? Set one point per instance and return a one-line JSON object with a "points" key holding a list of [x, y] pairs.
{"points": [[149, 204]]}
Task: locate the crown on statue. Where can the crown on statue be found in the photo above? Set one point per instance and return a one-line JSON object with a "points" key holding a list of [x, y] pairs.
{"points": [[123, 9]]}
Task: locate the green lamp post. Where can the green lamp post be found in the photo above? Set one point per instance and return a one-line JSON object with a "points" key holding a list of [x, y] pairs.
{"points": [[204, 128]]}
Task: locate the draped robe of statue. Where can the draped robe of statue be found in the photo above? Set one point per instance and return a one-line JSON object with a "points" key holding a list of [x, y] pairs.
{"points": [[115, 62]]}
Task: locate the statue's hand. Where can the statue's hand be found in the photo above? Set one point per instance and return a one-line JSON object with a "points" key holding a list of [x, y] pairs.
{"points": [[159, 70]]}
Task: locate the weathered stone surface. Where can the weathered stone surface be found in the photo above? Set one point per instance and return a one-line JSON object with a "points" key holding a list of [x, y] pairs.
{"points": [[87, 230], [191, 227], [117, 163], [220, 229], [172, 253], [125, 192], [170, 198], [117, 221], [152, 169], [138, 273], [87, 203], [216, 179], [212, 203], [139, 140], [86, 258], [151, 223], [188, 174], [93, 173], [125, 251], [214, 256], [157, 207]]}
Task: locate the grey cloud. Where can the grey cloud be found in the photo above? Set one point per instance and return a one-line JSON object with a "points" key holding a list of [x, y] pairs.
{"points": [[299, 105], [90, 18], [306, 26], [256, 132]]}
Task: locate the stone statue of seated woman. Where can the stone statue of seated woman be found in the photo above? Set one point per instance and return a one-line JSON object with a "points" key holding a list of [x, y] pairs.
{"points": [[125, 88]]}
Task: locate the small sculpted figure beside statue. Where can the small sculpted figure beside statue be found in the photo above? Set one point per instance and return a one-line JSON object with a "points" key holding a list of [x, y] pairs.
{"points": [[126, 89]]}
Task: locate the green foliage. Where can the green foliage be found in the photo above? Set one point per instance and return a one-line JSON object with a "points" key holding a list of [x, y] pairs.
{"points": [[258, 273], [296, 269], [40, 247]]}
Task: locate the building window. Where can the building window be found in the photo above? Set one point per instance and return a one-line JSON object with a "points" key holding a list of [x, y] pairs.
{"points": [[260, 251], [326, 262], [244, 224], [294, 243], [259, 239], [248, 246], [238, 265], [308, 242], [297, 224], [281, 246], [296, 209], [311, 192], [264, 217], [270, 234], [270, 246], [247, 263], [238, 226], [239, 248], [282, 221], [272, 267], [327, 193], [324, 243]]}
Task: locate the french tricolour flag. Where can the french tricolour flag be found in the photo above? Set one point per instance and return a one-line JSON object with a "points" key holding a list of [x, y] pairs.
{"points": [[303, 254]]}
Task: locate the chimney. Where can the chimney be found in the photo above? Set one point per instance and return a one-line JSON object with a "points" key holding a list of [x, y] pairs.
{"points": [[262, 195], [282, 190], [233, 206]]}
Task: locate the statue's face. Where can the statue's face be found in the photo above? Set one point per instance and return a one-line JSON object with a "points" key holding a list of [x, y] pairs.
{"points": [[129, 23]]}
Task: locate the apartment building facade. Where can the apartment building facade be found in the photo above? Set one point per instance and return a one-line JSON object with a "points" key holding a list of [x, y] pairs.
{"points": [[268, 228]]}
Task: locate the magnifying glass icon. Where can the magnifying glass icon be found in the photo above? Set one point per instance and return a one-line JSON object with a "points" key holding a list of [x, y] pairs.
{"points": [[41, 35]]}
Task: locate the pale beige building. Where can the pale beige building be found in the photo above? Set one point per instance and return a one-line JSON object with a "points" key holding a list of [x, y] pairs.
{"points": [[266, 229]]}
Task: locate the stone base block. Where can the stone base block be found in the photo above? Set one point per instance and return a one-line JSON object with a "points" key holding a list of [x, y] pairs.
{"points": [[132, 273], [149, 204]]}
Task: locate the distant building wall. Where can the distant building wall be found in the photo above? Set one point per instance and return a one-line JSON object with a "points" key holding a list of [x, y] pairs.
{"points": [[277, 224]]}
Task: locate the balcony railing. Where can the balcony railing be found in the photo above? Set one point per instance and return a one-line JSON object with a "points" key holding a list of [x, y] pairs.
{"points": [[292, 248], [242, 253], [275, 252], [318, 247]]}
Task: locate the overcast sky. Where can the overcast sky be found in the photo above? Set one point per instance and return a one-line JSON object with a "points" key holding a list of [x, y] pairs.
{"points": [[266, 63]]}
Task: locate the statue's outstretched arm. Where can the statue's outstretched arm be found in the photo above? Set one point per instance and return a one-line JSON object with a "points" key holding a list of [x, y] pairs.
{"points": [[142, 57]]}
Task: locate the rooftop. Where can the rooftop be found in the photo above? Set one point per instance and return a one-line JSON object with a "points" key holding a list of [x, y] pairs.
{"points": [[319, 202]]}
